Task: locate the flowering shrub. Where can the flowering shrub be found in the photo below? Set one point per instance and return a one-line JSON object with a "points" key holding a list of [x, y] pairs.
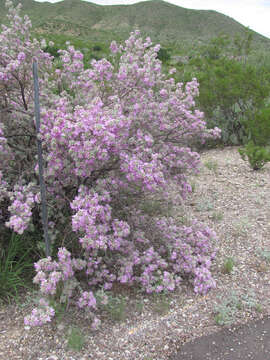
{"points": [[113, 135]]}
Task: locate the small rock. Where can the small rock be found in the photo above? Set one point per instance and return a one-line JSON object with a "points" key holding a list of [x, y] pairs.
{"points": [[60, 327]]}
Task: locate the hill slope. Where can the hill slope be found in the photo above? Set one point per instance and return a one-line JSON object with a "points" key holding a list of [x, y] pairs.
{"points": [[162, 21]]}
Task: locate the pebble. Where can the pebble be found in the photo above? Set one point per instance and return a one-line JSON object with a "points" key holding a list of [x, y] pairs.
{"points": [[60, 327]]}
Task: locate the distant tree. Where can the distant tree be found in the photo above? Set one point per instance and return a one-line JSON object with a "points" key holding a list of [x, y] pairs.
{"points": [[52, 50], [215, 50], [97, 48], [242, 45], [163, 55]]}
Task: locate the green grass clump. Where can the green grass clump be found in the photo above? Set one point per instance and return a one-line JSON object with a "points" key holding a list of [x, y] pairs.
{"points": [[116, 307], [139, 306], [211, 165], [76, 339], [16, 267], [258, 307], [217, 216], [264, 254], [161, 304], [228, 265], [205, 205]]}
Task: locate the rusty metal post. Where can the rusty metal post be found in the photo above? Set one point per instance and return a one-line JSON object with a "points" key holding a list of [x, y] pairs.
{"points": [[40, 164]]}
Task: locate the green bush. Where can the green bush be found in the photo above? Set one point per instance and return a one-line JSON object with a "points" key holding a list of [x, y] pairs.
{"points": [[258, 127], [227, 309], [225, 312], [230, 93], [257, 156], [232, 89]]}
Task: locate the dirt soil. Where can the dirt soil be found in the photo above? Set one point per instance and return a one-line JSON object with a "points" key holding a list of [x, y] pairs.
{"points": [[233, 200], [249, 341]]}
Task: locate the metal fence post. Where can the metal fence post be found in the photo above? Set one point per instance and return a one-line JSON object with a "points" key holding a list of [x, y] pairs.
{"points": [[40, 164]]}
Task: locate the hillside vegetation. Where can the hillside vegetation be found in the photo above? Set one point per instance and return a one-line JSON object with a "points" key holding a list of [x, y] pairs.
{"points": [[163, 22]]}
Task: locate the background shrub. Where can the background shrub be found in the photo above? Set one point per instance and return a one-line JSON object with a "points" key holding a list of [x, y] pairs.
{"points": [[233, 90], [257, 156]]}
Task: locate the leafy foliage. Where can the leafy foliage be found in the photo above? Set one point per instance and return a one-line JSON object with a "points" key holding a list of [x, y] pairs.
{"points": [[257, 150], [232, 90], [258, 126]]}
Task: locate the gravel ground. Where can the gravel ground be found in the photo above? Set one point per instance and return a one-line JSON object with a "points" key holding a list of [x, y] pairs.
{"points": [[230, 198]]}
